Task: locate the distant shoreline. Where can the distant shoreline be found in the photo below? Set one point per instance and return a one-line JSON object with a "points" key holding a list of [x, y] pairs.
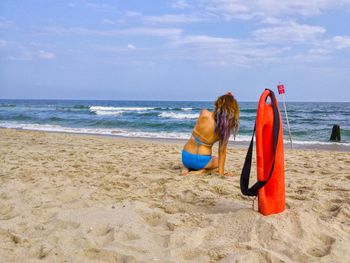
{"points": [[161, 100], [241, 144]]}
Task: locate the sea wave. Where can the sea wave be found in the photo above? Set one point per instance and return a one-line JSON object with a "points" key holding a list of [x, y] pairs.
{"points": [[173, 115], [80, 106], [106, 131], [7, 105], [114, 113], [105, 108], [138, 133], [75, 108], [102, 131]]}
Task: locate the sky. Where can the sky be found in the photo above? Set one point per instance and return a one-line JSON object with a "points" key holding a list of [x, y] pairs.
{"points": [[174, 49]]}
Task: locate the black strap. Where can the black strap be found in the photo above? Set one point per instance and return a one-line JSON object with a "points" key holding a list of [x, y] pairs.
{"points": [[253, 191]]}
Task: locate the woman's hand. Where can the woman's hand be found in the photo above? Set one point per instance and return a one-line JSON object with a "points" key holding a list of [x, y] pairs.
{"points": [[225, 174], [229, 174]]}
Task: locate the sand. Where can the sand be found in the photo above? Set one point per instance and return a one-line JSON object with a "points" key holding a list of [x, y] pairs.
{"points": [[84, 198]]}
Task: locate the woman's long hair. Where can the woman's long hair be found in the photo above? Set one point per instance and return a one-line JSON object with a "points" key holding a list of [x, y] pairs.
{"points": [[226, 115]]}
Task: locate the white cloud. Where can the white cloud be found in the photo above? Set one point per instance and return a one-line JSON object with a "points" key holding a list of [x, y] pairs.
{"points": [[133, 14], [242, 9], [108, 21], [160, 19], [46, 55], [23, 56], [135, 31], [181, 18], [320, 51], [117, 49], [180, 4], [71, 4], [290, 32], [202, 40], [272, 21], [277, 34], [340, 42], [224, 51], [300, 43]]}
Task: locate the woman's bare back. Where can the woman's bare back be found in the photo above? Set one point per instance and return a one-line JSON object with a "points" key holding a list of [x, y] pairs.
{"points": [[204, 130]]}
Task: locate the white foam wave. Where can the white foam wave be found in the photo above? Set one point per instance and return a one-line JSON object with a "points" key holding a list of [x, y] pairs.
{"points": [[49, 127], [317, 143], [115, 113], [136, 133], [247, 138], [186, 109], [173, 115], [103, 108], [103, 131]]}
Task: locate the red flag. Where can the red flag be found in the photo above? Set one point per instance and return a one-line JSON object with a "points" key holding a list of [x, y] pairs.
{"points": [[281, 89]]}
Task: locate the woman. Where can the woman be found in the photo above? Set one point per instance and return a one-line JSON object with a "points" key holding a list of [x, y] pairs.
{"points": [[210, 128]]}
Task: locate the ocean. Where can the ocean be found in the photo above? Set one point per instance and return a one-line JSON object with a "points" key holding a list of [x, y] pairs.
{"points": [[311, 122]]}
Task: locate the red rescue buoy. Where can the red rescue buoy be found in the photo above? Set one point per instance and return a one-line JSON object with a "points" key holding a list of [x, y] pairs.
{"points": [[270, 187]]}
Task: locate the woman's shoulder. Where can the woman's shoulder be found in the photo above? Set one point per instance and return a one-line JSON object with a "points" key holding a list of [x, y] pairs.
{"points": [[205, 112], [206, 116]]}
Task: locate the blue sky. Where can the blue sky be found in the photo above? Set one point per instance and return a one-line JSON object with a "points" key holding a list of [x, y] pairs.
{"points": [[174, 49]]}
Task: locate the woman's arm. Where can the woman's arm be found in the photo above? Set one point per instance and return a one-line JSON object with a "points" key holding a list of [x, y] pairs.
{"points": [[222, 157]]}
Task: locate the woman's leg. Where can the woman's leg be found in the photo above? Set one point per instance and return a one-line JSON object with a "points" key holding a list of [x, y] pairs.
{"points": [[213, 163]]}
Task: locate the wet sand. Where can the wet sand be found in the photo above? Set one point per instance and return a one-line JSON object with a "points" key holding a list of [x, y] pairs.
{"points": [[85, 198]]}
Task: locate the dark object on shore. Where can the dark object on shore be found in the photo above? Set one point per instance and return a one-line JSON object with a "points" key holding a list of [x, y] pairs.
{"points": [[335, 136]]}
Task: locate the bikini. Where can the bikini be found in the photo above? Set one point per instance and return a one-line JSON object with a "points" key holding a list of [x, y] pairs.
{"points": [[196, 161]]}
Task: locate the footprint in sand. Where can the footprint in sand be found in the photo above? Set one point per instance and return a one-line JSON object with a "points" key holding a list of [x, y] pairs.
{"points": [[323, 249], [173, 223], [172, 208], [40, 251], [103, 234], [338, 208], [103, 255], [153, 219], [297, 196], [188, 196], [7, 211], [63, 224], [101, 230], [14, 237], [222, 190], [333, 209], [126, 235]]}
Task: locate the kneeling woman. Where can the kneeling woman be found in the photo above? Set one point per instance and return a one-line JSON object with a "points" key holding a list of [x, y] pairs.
{"points": [[210, 128]]}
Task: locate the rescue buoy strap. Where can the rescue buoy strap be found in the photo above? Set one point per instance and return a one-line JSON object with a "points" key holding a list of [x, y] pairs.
{"points": [[245, 175]]}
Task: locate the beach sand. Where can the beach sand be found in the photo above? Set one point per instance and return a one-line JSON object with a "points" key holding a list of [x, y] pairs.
{"points": [[85, 198]]}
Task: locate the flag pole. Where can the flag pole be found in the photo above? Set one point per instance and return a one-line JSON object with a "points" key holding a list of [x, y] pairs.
{"points": [[281, 91]]}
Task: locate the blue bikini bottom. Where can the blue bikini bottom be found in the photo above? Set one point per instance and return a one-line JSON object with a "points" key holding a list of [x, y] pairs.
{"points": [[195, 161]]}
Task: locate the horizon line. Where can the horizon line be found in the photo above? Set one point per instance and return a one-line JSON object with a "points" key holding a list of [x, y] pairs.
{"points": [[163, 100]]}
